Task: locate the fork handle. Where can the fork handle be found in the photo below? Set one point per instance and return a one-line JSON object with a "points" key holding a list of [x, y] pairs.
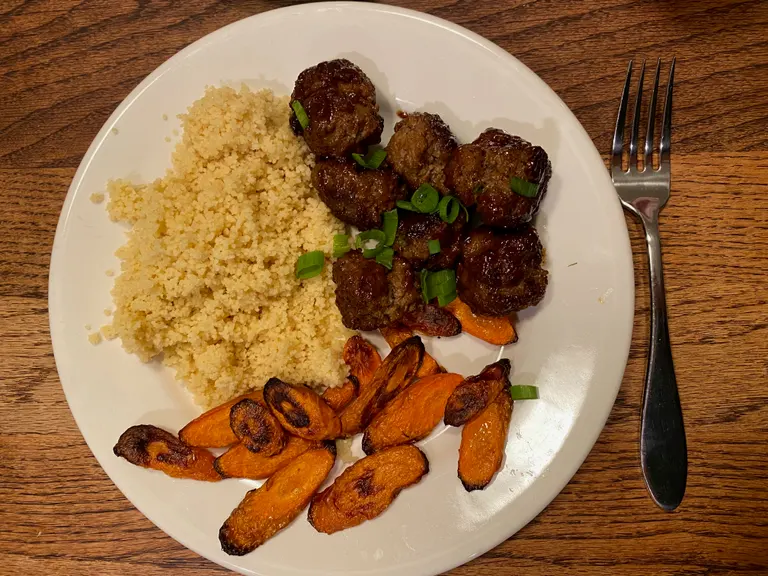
{"points": [[663, 450]]}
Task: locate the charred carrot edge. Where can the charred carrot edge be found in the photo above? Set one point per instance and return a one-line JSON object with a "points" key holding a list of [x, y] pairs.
{"points": [[152, 447], [301, 411], [211, 429], [494, 330], [394, 335], [362, 358]]}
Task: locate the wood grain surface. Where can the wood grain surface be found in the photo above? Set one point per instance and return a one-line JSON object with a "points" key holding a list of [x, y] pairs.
{"points": [[66, 64]]}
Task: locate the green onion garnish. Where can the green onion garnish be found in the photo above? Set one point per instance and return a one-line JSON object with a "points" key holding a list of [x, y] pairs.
{"points": [[434, 247], [390, 227], [440, 277], [445, 299], [440, 285], [449, 209], [425, 199], [340, 245], [423, 280], [377, 236], [405, 205], [478, 189], [301, 114], [523, 187], [372, 161], [385, 257], [520, 392], [310, 264]]}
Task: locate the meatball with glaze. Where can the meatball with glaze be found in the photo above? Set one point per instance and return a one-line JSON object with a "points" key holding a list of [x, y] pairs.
{"points": [[340, 102], [500, 272], [369, 296], [356, 196], [480, 173], [415, 230], [420, 148]]}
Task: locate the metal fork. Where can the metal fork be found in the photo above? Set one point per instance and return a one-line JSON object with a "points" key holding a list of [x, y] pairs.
{"points": [[663, 451]]}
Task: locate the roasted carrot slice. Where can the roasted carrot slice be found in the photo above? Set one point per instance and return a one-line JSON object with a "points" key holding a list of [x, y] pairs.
{"points": [[494, 330], [394, 335], [413, 413], [476, 392], [432, 320], [152, 447], [301, 411], [395, 373], [256, 427], [362, 358], [239, 462], [270, 508], [337, 398], [482, 443], [367, 488], [211, 429]]}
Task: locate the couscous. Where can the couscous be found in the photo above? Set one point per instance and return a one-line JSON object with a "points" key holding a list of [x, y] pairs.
{"points": [[207, 280]]}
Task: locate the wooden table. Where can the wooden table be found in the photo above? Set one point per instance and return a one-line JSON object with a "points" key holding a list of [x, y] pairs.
{"points": [[66, 64]]}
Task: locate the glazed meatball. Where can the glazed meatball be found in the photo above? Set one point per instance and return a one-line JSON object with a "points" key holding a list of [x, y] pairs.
{"points": [[500, 272], [481, 172], [431, 320], [340, 101], [420, 148], [414, 231], [369, 296], [354, 195]]}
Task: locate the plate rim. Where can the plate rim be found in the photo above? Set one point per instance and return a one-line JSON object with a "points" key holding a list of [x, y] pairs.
{"points": [[575, 461]]}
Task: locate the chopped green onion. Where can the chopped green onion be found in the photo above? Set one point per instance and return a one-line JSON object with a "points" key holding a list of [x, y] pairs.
{"points": [[445, 299], [376, 158], [385, 257], [376, 235], [440, 277], [360, 159], [310, 264], [449, 209], [340, 245], [424, 275], [390, 227], [434, 247], [520, 392], [478, 189], [523, 187], [301, 114], [425, 199], [443, 289], [372, 161], [405, 205]]}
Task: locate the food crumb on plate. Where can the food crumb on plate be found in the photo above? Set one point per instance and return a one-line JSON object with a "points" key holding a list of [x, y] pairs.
{"points": [[97, 197], [109, 272], [107, 312], [115, 131], [344, 451], [87, 326], [165, 116], [208, 272], [108, 332], [94, 338]]}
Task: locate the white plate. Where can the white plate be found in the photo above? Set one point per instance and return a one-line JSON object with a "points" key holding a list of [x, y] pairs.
{"points": [[574, 346]]}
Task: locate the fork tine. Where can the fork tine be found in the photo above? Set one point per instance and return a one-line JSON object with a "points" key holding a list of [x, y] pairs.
{"points": [[648, 150], [618, 134], [666, 126], [636, 121]]}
